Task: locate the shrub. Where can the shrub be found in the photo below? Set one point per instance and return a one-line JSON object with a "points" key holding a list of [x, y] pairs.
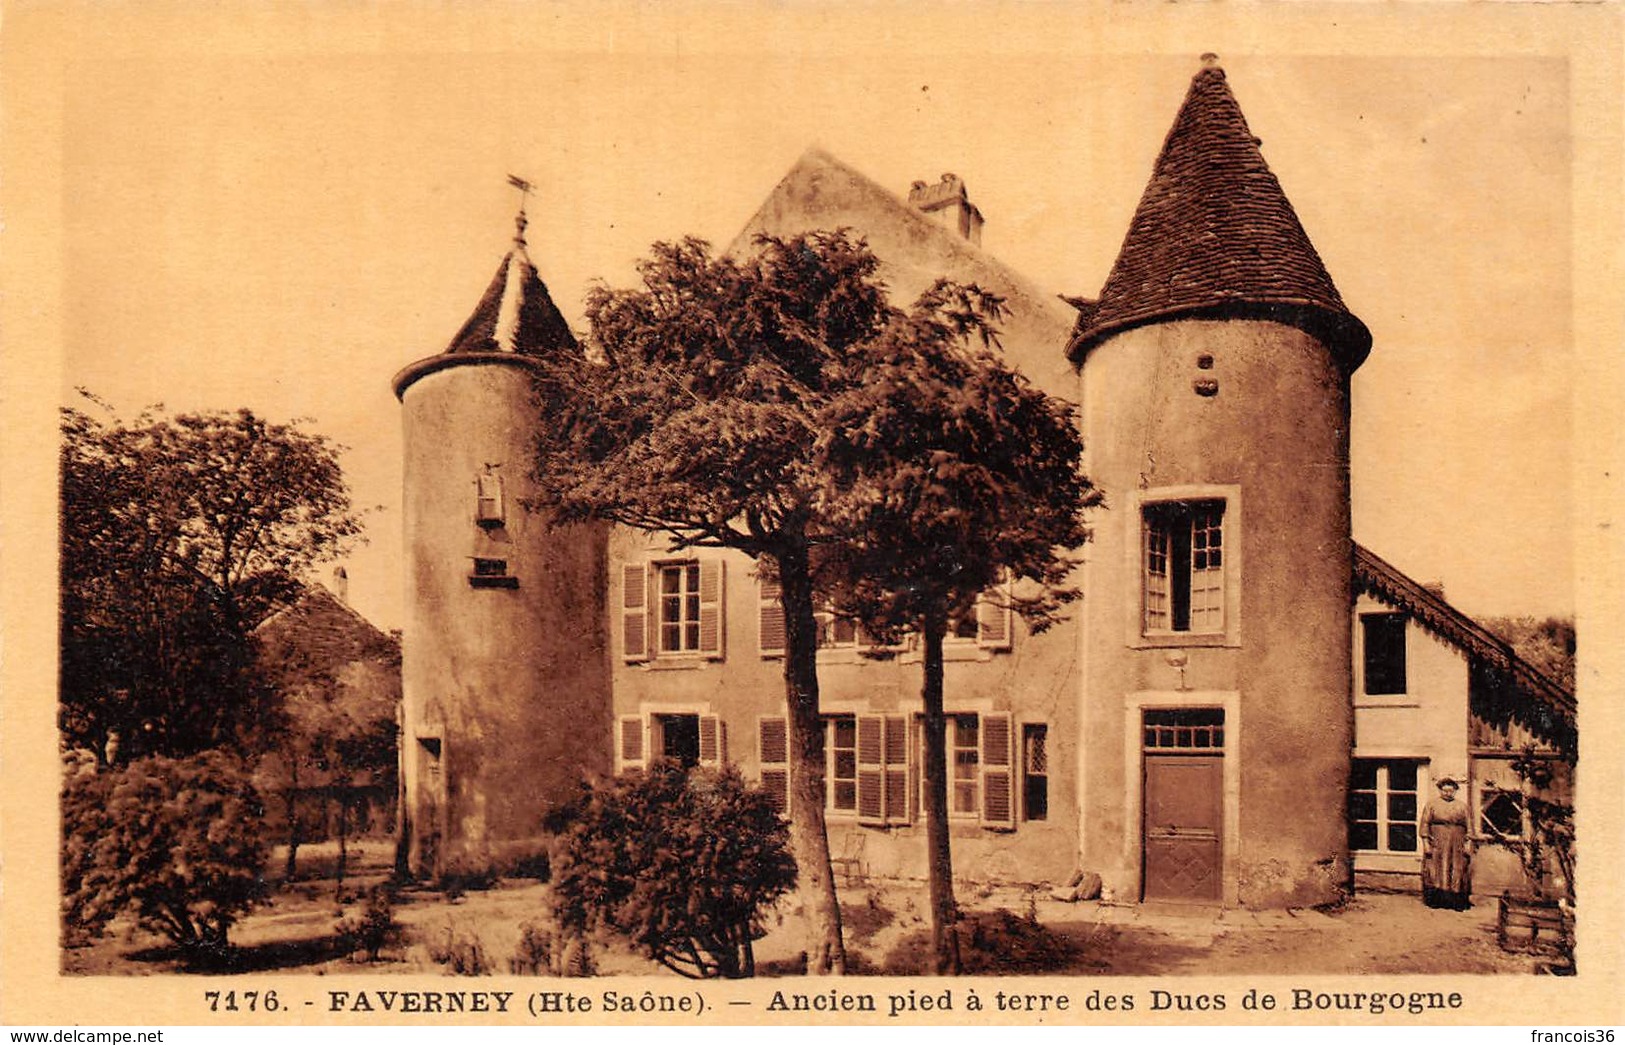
{"points": [[546, 950], [682, 863], [177, 842], [375, 929], [461, 954]]}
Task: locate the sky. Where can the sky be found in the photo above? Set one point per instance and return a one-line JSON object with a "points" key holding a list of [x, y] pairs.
{"points": [[285, 226]]}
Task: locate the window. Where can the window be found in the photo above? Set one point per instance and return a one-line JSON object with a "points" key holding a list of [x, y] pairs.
{"points": [[1183, 557], [836, 632], [1384, 639], [1500, 813], [488, 507], [1383, 805], [491, 573], [963, 765], [691, 739], [671, 609], [678, 737], [1035, 771], [1194, 729], [679, 607], [841, 763]]}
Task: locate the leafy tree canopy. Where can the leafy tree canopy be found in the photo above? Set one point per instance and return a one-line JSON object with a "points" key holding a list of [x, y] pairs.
{"points": [[947, 472], [702, 424], [178, 534]]}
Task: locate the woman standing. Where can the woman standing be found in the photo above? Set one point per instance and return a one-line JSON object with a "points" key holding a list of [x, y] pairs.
{"points": [[1444, 849]]}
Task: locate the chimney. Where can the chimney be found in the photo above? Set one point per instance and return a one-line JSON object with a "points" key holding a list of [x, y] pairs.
{"points": [[948, 204], [341, 585]]}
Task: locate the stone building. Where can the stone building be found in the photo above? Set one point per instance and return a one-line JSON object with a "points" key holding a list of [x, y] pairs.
{"points": [[1191, 733]]}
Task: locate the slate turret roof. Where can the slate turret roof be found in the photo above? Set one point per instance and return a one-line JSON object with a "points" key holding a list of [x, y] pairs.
{"points": [[1215, 236]]}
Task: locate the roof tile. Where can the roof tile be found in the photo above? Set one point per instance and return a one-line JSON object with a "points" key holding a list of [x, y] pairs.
{"points": [[1215, 235]]}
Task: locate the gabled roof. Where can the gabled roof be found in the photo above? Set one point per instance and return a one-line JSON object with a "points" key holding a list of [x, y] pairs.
{"points": [[821, 192], [1553, 708], [1215, 236]]}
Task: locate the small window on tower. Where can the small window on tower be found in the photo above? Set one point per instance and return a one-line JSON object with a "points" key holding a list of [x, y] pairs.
{"points": [[1183, 561], [491, 573], [488, 499]]}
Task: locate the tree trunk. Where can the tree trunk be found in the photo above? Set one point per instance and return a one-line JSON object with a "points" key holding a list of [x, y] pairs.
{"points": [[343, 795], [939, 859], [809, 840], [291, 867]]}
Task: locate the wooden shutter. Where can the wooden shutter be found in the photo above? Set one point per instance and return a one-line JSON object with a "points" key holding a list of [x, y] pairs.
{"points": [[895, 754], [871, 769], [770, 635], [993, 620], [998, 784], [711, 609], [773, 758], [630, 743], [635, 611], [713, 741]]}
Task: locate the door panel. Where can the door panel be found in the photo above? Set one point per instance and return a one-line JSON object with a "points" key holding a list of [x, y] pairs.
{"points": [[1183, 827]]}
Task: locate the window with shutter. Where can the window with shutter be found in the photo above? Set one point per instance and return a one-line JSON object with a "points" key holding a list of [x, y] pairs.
{"points": [[895, 744], [993, 621], [871, 770], [841, 763], [998, 792], [773, 760], [964, 766], [711, 621], [713, 741], [770, 638], [630, 746], [634, 612]]}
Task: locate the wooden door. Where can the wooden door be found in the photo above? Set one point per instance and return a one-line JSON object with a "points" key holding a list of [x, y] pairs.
{"points": [[1183, 841]]}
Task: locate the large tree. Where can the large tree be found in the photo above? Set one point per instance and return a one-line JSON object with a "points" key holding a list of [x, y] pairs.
{"points": [[700, 422], [178, 533], [953, 480]]}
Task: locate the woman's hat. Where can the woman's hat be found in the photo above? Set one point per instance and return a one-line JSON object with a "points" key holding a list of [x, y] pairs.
{"points": [[1447, 779]]}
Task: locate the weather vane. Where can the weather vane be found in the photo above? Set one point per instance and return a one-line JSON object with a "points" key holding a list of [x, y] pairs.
{"points": [[525, 189]]}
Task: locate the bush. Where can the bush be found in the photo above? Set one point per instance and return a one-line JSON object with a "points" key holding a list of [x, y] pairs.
{"points": [[546, 950], [462, 955], [682, 863], [179, 843], [375, 929]]}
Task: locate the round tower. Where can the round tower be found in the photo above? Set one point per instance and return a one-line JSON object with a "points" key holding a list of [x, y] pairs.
{"points": [[505, 669], [1215, 371]]}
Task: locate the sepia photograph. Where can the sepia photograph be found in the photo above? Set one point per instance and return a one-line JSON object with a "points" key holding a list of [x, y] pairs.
{"points": [[792, 515]]}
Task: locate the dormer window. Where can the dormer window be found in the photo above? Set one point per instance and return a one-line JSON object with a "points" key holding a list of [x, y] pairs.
{"points": [[488, 506]]}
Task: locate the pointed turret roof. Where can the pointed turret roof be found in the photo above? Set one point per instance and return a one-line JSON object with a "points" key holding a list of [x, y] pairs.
{"points": [[516, 313], [1214, 235], [515, 321]]}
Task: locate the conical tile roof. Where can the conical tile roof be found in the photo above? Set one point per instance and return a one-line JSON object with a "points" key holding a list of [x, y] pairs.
{"points": [[514, 323], [516, 313], [1214, 235]]}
